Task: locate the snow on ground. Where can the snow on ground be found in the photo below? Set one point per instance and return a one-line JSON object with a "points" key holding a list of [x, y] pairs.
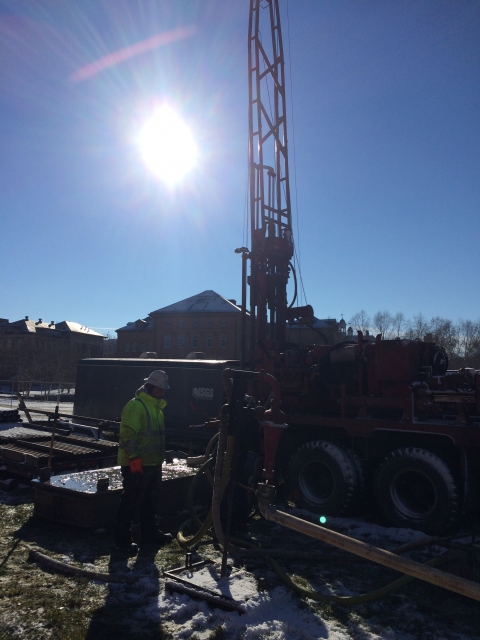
{"points": [[277, 613], [273, 612], [272, 615], [8, 401]]}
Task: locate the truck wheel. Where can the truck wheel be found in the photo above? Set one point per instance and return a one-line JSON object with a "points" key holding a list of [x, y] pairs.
{"points": [[415, 488], [323, 478]]}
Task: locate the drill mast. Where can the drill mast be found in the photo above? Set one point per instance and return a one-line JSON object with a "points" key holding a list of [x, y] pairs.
{"points": [[270, 214]]}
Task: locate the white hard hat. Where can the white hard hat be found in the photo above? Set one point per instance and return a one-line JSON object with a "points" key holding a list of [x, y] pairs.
{"points": [[158, 379]]}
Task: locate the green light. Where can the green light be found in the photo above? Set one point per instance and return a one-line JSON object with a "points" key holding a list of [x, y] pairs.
{"points": [[323, 519]]}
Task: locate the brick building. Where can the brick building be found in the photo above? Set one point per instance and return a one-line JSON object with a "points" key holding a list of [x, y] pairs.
{"points": [[205, 323], [37, 350]]}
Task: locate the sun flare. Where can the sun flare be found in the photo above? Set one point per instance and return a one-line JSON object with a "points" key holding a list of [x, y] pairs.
{"points": [[167, 146]]}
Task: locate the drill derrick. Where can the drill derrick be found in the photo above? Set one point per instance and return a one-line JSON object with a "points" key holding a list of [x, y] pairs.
{"points": [[270, 213]]}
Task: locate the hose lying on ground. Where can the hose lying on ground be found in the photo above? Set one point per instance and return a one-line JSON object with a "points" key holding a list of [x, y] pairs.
{"points": [[56, 565]]}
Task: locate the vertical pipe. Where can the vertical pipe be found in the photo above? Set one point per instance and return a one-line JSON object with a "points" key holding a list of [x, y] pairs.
{"points": [[244, 312]]}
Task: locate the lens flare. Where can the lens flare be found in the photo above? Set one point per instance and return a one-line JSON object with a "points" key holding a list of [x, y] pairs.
{"points": [[167, 146], [323, 519]]}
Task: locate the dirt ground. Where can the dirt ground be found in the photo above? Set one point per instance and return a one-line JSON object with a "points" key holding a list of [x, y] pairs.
{"points": [[37, 603]]}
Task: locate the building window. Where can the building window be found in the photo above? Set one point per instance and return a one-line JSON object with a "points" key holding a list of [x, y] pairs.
{"points": [[195, 323], [194, 342], [208, 342], [181, 323], [209, 323], [223, 323], [127, 347], [223, 342], [167, 323], [144, 347], [134, 347], [181, 342], [167, 342]]}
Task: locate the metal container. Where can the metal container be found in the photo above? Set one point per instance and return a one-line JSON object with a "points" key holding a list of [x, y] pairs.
{"points": [[91, 498], [105, 385]]}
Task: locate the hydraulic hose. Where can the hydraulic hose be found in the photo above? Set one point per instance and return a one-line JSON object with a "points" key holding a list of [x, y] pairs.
{"points": [[205, 526], [295, 285], [350, 601], [345, 601]]}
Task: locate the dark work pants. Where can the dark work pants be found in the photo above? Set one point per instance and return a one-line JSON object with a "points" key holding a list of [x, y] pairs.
{"points": [[139, 493]]}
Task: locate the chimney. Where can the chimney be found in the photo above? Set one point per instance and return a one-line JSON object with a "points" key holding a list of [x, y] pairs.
{"points": [[52, 323], [39, 321], [26, 317]]}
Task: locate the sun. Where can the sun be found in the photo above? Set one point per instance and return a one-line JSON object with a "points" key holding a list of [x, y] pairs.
{"points": [[167, 146]]}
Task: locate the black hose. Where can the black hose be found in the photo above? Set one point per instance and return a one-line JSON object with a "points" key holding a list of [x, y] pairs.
{"points": [[295, 284]]}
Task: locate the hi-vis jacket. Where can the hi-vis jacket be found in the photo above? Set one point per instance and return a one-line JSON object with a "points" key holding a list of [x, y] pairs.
{"points": [[142, 430]]}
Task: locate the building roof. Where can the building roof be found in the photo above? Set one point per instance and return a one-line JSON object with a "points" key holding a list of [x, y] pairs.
{"points": [[32, 326], [139, 325], [205, 302], [327, 323], [75, 327]]}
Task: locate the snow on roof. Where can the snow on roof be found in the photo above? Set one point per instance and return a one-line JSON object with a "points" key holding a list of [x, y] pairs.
{"points": [[206, 302], [31, 326], [75, 327], [138, 325]]}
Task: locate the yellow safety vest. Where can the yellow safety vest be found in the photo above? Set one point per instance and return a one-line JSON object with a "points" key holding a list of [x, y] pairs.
{"points": [[142, 431]]}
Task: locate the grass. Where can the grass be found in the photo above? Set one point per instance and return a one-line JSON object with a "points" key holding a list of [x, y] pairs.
{"points": [[38, 604]]}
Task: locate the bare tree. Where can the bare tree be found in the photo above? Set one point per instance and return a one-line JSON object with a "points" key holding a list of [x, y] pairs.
{"points": [[468, 343], [445, 334], [383, 323], [360, 321], [418, 327], [398, 324]]}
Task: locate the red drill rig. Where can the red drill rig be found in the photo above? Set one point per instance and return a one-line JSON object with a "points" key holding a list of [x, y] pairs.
{"points": [[385, 420]]}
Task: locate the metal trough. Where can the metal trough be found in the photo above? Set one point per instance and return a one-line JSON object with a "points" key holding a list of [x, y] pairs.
{"points": [[90, 498]]}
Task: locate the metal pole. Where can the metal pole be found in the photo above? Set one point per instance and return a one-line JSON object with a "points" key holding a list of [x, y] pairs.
{"points": [[55, 424]]}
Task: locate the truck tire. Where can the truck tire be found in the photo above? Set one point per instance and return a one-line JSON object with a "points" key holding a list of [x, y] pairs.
{"points": [[323, 478], [415, 489]]}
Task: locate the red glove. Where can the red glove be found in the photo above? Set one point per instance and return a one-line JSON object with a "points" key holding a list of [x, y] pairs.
{"points": [[136, 465]]}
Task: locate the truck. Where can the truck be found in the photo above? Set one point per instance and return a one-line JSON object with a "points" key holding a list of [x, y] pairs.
{"points": [[382, 420]]}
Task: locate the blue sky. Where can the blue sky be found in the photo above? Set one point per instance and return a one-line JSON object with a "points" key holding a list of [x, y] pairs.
{"points": [[384, 156]]}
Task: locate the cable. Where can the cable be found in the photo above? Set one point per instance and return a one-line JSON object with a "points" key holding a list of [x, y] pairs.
{"points": [[294, 156]]}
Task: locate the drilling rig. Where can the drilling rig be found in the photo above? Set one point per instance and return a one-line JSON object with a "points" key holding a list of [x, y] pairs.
{"points": [[383, 420]]}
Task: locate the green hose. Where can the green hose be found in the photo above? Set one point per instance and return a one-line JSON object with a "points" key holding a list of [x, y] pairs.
{"points": [[345, 601], [350, 601], [205, 526]]}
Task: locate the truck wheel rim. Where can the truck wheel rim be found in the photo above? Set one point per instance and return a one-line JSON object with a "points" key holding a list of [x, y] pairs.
{"points": [[317, 483], [413, 494]]}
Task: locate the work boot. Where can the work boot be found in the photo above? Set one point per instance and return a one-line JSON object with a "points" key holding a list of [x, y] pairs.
{"points": [[128, 549]]}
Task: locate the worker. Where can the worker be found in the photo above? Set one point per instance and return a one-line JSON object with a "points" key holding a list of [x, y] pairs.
{"points": [[140, 455]]}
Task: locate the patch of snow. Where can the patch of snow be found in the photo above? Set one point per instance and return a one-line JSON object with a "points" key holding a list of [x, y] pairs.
{"points": [[361, 530], [277, 614]]}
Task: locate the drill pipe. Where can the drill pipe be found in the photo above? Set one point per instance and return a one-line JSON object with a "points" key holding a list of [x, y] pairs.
{"points": [[368, 551]]}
